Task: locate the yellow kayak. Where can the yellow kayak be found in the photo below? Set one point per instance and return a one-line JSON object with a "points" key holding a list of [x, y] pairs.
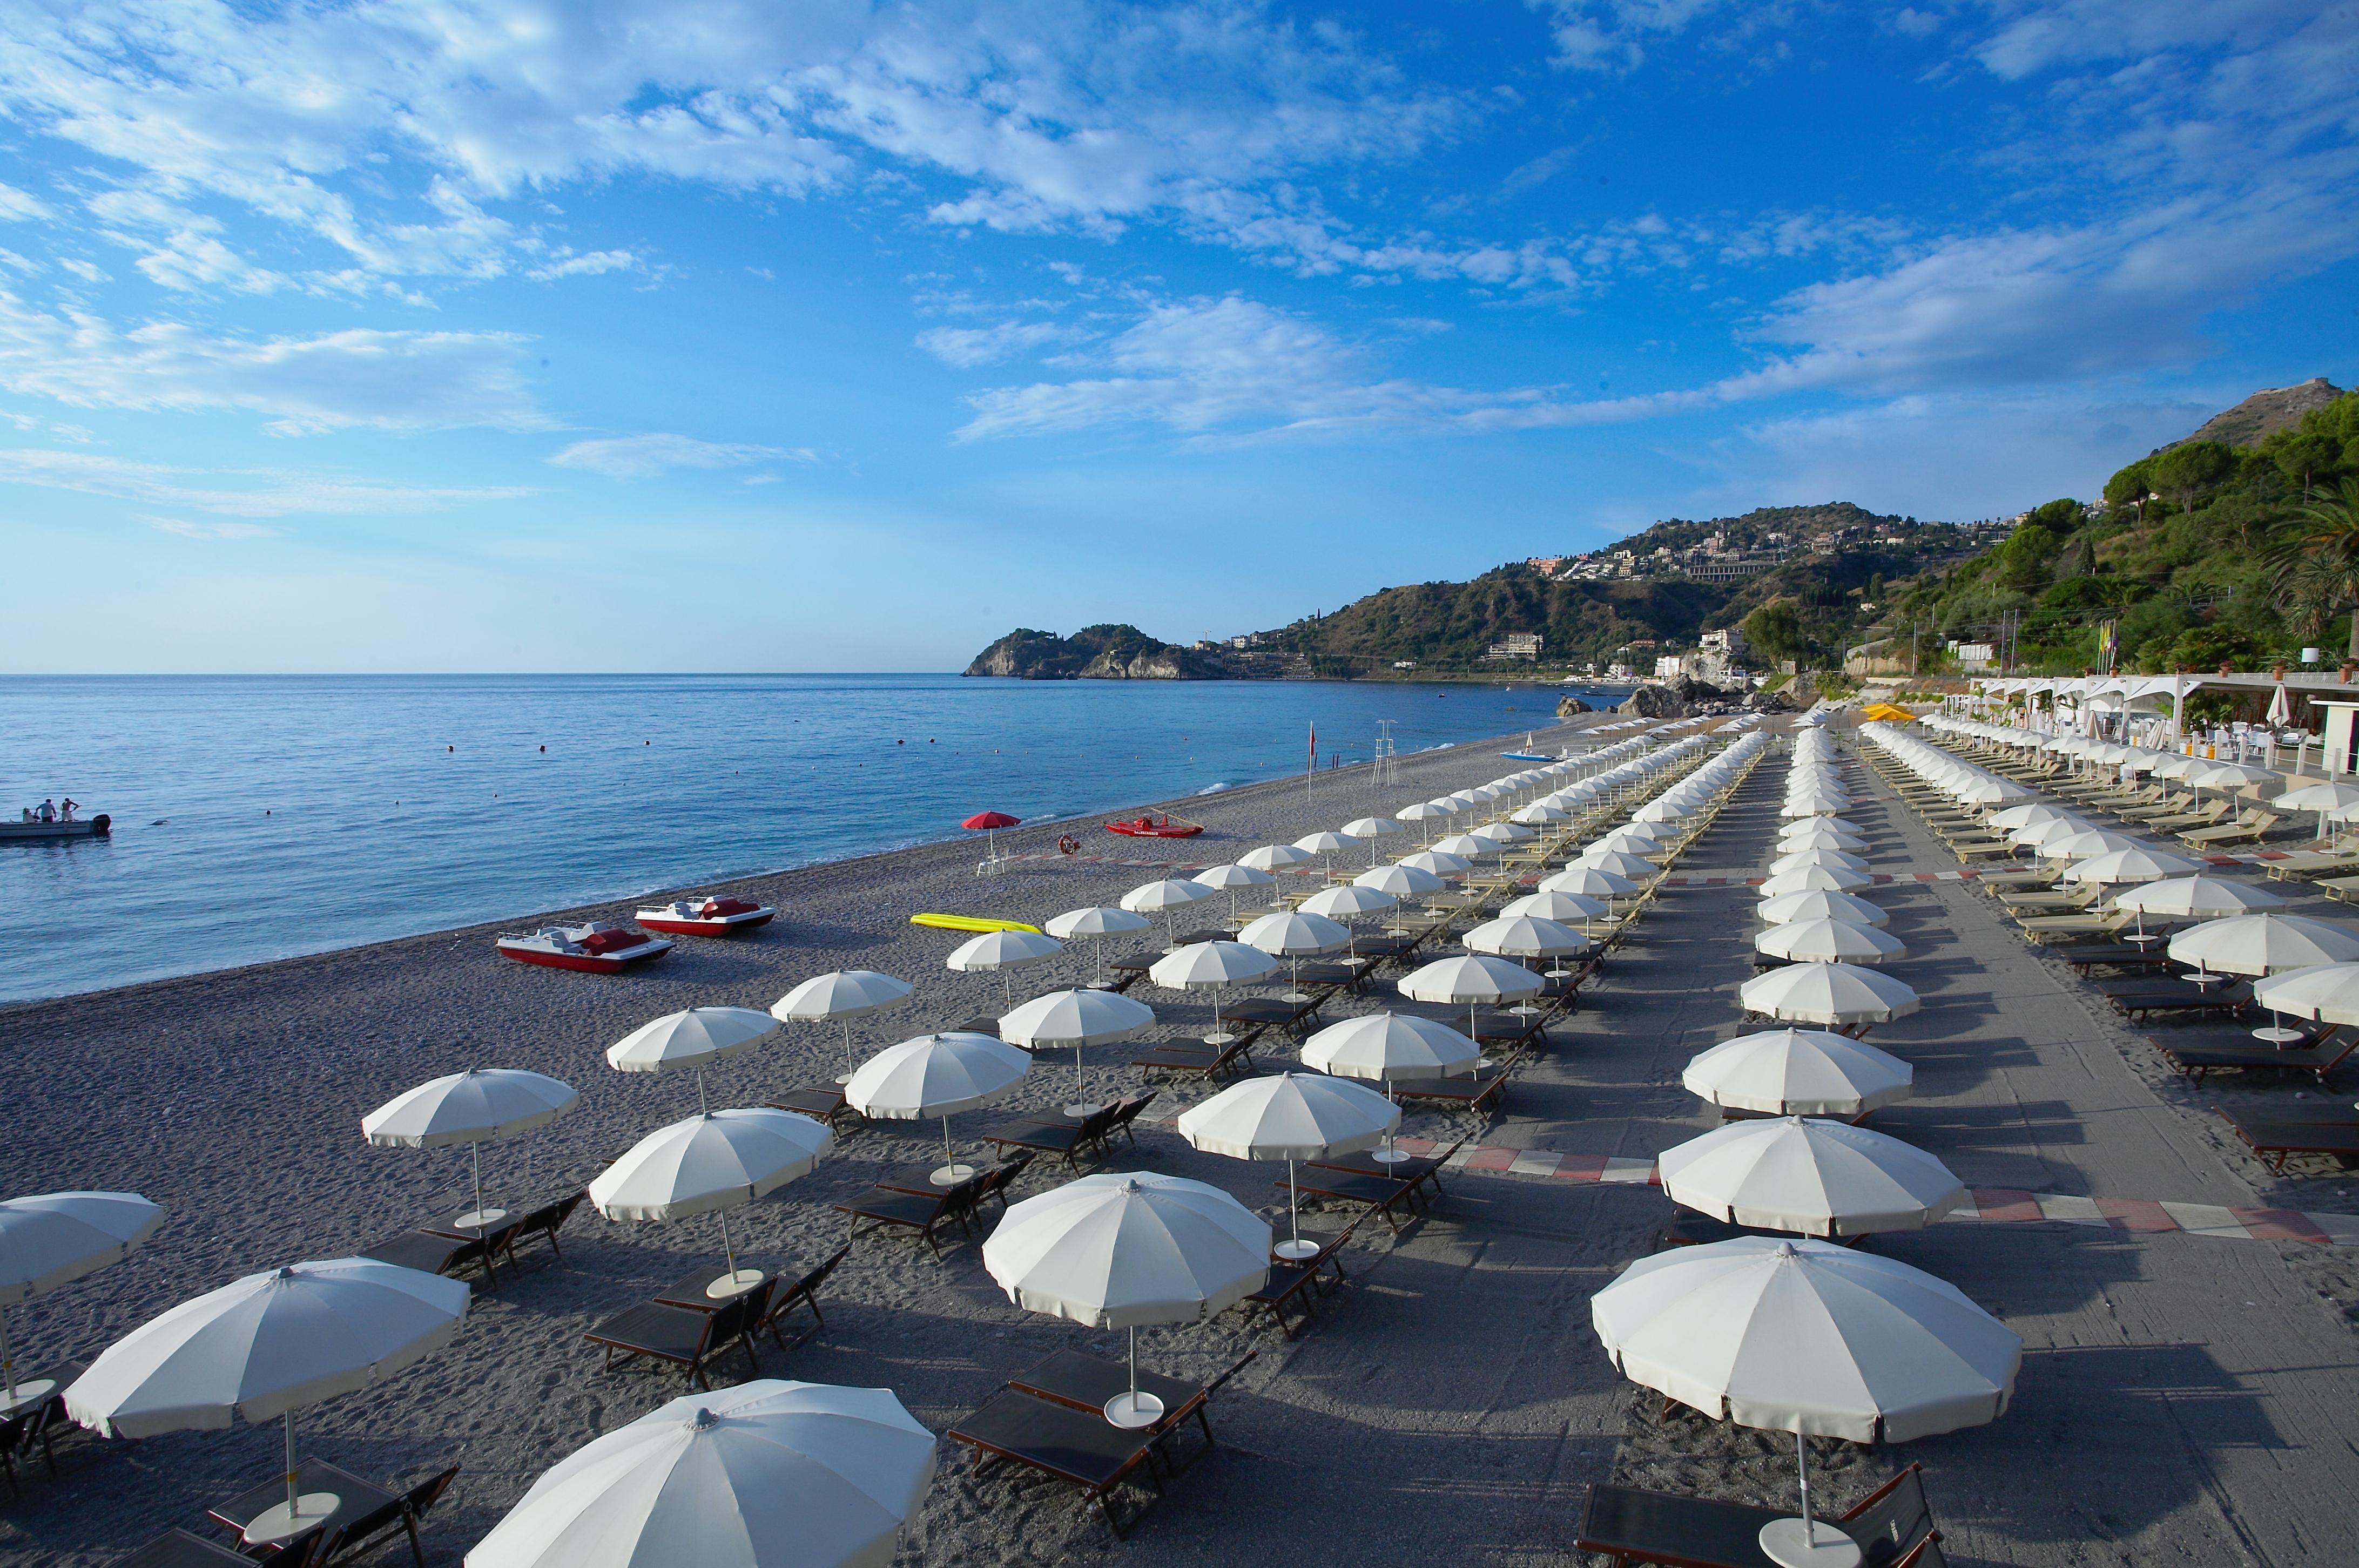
{"points": [[971, 922]]}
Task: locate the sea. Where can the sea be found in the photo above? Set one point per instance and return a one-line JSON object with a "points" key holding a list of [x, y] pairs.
{"points": [[260, 817]]}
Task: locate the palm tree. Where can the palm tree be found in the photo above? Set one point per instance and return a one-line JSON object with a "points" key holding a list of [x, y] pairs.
{"points": [[2316, 557]]}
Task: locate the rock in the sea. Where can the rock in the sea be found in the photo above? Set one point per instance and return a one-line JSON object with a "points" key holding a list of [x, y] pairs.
{"points": [[1566, 706], [1093, 653], [1682, 698]]}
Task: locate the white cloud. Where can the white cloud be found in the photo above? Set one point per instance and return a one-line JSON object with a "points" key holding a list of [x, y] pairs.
{"points": [[18, 205], [1613, 35], [645, 456], [210, 530], [232, 493], [586, 266], [967, 347], [389, 380]]}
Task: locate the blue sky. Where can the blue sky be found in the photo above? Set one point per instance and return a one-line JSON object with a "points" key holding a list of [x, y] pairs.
{"points": [[470, 335]]}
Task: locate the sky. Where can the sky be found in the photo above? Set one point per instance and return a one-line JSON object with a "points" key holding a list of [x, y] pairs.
{"points": [[449, 335]]}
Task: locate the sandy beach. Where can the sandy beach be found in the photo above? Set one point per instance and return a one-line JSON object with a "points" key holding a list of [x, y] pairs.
{"points": [[2184, 1398]]}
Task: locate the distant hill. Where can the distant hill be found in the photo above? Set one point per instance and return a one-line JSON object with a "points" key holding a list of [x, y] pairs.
{"points": [[2264, 414], [1093, 653]]}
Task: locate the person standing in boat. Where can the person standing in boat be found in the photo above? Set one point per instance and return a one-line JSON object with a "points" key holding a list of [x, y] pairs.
{"points": [[67, 807], [47, 812]]}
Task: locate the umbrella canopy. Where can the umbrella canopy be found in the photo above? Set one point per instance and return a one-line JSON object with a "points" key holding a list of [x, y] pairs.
{"points": [[1153, 898], [2139, 864], [1098, 920], [1075, 1018], [2326, 992], [1807, 1336], [1229, 878], [1002, 950], [1291, 935], [1121, 1248], [2086, 844], [1557, 906], [2032, 835], [1365, 828], [1473, 977], [983, 820], [483, 1105], [1325, 843], [935, 1074], [1794, 861], [55, 1238], [2198, 898], [711, 1160], [1211, 966], [1814, 879], [1399, 881], [1388, 1045], [1464, 845], [2015, 816], [769, 1473], [1617, 862], [265, 1346], [1819, 833], [1526, 936], [1820, 904], [2324, 796], [1823, 1177], [2264, 944], [688, 1039], [1275, 858], [1837, 994], [1799, 1072], [1589, 881], [845, 994], [1289, 1116], [1828, 942], [1436, 863], [1348, 902]]}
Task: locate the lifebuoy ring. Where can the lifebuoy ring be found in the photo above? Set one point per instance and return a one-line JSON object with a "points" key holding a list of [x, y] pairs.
{"points": [[1068, 845]]}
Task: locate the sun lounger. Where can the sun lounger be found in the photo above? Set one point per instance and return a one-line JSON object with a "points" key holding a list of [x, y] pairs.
{"points": [[2090, 922], [1067, 1137], [1199, 1059], [2250, 827], [2061, 901], [547, 1220], [2169, 805], [683, 1337], [2324, 857], [1385, 1195], [2208, 818], [802, 1293], [1296, 1285], [179, 1549], [423, 1250], [1080, 1447], [825, 1103], [2276, 1141], [2343, 890], [402, 1516], [883, 1207], [2178, 996], [2087, 957], [1892, 1528], [2318, 1057]]}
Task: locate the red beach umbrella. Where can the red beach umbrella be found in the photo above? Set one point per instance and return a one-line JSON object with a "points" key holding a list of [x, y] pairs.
{"points": [[991, 822]]}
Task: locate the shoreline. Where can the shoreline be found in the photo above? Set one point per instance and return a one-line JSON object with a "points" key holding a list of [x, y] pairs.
{"points": [[624, 904]]}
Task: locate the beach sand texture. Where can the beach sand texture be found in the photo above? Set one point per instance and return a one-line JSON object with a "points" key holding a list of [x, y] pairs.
{"points": [[2183, 1398]]}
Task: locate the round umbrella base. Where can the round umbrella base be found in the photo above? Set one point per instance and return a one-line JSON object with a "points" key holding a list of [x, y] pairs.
{"points": [[1794, 1543], [27, 1393], [2278, 1036], [1556, 974], [1523, 1010], [843, 1077], [735, 1285], [477, 1218], [1081, 1108], [1296, 1251], [1297, 997], [949, 1175], [1483, 1062], [1219, 1037], [1134, 1410], [1391, 1156], [275, 1525]]}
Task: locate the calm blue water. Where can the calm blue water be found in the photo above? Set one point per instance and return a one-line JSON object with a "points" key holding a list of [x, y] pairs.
{"points": [[259, 817]]}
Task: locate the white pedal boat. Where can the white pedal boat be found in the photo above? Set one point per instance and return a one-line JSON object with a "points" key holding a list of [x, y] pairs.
{"points": [[718, 917], [601, 947]]}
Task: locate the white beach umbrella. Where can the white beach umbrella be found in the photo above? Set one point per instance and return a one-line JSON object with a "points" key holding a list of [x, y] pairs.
{"points": [[1813, 878], [1425, 811], [1795, 859], [769, 1473], [1214, 966], [1539, 814], [1368, 829], [1289, 1117], [1166, 898], [477, 1107], [1229, 879], [1472, 978], [691, 1039], [1436, 863], [937, 1075], [1401, 881], [1504, 832], [54, 1238], [2140, 863], [2032, 835], [1121, 1248], [2327, 993], [1293, 935], [2326, 797], [1094, 925], [2198, 898], [1807, 1336], [708, 1164], [1349, 901], [1589, 881], [2024, 816], [1275, 858], [268, 1345], [2264, 944], [843, 996], [1467, 847], [1003, 951], [1838, 994], [1525, 937], [1557, 906], [1076, 1018], [1820, 904], [1386, 1047], [1989, 792], [1820, 833], [2087, 844], [1823, 1178], [1828, 942], [1799, 1072]]}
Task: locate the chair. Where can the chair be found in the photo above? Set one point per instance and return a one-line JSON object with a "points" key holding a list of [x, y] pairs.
{"points": [[802, 1293], [485, 1252], [1064, 1138], [1203, 1062], [2250, 827], [179, 1549], [683, 1337], [924, 1213], [998, 1179], [825, 1103], [547, 1220], [1893, 1522], [1296, 1284], [403, 1515]]}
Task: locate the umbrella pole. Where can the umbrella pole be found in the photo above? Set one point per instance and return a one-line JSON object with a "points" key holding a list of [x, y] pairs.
{"points": [[1293, 1214], [847, 1049], [476, 1158], [7, 1365], [293, 1500], [728, 1253], [1803, 1467], [1081, 1084], [701, 1108]]}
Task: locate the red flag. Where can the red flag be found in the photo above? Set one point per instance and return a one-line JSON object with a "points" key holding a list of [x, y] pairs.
{"points": [[1314, 745]]}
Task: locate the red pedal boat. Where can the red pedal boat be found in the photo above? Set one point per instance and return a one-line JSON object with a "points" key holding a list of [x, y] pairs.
{"points": [[1147, 827], [720, 917], [601, 947]]}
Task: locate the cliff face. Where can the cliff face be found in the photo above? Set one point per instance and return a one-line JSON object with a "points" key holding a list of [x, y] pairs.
{"points": [[1093, 653], [2265, 413]]}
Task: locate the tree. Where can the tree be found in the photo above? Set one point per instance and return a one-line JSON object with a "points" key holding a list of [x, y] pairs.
{"points": [[2302, 456], [2130, 487], [2316, 558], [2189, 467], [1776, 630]]}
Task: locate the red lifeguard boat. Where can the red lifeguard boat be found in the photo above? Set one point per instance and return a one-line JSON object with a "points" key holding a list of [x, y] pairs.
{"points": [[601, 947], [717, 916], [1148, 827]]}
